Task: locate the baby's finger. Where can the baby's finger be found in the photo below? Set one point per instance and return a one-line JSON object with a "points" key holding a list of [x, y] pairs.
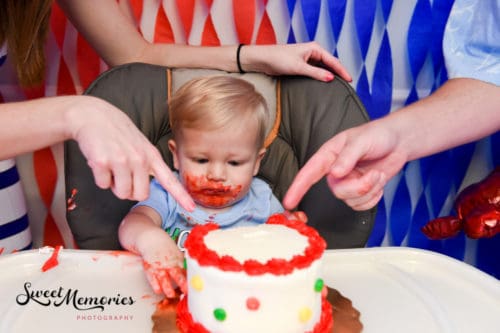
{"points": [[166, 285], [178, 275], [153, 282]]}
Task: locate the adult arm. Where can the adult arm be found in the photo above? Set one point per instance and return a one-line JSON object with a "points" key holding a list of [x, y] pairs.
{"points": [[359, 161], [115, 37], [120, 156]]}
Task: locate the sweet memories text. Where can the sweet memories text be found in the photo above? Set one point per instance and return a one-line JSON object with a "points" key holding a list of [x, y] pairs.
{"points": [[70, 297]]}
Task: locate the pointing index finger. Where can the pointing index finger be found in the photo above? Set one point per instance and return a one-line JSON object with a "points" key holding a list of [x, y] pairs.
{"points": [[317, 167], [170, 183]]}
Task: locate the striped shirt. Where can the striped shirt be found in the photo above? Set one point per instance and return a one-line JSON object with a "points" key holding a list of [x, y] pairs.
{"points": [[15, 234]]}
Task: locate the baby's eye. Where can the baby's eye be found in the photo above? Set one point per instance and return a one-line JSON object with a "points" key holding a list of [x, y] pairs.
{"points": [[201, 160], [234, 163]]}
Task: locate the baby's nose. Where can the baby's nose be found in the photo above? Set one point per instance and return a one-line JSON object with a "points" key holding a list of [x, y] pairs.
{"points": [[216, 172]]}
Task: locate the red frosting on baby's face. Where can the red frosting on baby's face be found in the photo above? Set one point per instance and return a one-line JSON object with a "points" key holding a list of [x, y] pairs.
{"points": [[211, 194]]}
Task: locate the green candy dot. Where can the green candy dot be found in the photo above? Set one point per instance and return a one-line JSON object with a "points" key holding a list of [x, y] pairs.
{"points": [[220, 314], [185, 264], [318, 286]]}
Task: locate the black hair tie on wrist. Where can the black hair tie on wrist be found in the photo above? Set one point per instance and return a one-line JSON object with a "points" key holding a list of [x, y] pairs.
{"points": [[238, 59]]}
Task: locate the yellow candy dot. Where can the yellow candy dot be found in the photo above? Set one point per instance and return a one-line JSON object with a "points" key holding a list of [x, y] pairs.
{"points": [[305, 315], [197, 283]]}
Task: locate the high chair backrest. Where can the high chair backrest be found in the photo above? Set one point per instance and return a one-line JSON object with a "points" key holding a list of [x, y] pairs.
{"points": [[306, 113]]}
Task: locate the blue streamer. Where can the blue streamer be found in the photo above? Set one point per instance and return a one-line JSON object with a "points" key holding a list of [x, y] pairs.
{"points": [[435, 171], [495, 149], [487, 255], [291, 7], [455, 247], [440, 13], [291, 37], [310, 12], [400, 213], [416, 237], [419, 35], [382, 81], [386, 9], [336, 10], [364, 16], [363, 90], [412, 97], [459, 163], [378, 232], [2, 59]]}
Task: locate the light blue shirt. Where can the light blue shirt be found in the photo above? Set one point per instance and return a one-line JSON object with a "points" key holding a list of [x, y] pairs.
{"points": [[471, 43], [252, 209]]}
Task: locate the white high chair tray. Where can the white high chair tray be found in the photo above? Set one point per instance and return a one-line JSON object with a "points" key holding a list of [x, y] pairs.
{"points": [[400, 289], [395, 289]]}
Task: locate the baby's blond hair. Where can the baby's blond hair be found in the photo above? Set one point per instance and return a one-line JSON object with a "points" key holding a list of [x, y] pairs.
{"points": [[210, 103]]}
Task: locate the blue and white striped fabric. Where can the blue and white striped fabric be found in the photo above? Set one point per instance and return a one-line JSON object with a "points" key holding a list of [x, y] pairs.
{"points": [[15, 232]]}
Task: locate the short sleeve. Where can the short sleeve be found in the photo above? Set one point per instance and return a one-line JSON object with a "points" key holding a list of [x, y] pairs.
{"points": [[471, 43], [161, 201]]}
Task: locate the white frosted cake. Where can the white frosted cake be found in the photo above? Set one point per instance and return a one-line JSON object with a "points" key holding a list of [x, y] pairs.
{"points": [[263, 278]]}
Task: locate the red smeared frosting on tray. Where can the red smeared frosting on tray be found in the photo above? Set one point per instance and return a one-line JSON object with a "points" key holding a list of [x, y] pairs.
{"points": [[52, 261], [197, 249]]}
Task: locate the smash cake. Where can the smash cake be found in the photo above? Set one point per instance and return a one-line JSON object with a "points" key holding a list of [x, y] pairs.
{"points": [[263, 278]]}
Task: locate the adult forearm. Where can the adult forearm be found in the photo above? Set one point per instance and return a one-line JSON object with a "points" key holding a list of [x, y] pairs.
{"points": [[461, 111], [112, 32], [31, 125]]}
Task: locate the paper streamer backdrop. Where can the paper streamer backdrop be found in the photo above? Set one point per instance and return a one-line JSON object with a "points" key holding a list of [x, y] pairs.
{"points": [[391, 48]]}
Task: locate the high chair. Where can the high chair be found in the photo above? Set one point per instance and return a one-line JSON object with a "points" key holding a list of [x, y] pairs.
{"points": [[306, 113]]}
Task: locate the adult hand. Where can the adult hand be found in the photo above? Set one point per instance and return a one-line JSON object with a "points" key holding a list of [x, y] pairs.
{"points": [[357, 162], [308, 59], [120, 156]]}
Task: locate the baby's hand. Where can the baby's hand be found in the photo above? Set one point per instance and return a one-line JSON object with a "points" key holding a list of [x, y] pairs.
{"points": [[161, 278], [164, 268]]}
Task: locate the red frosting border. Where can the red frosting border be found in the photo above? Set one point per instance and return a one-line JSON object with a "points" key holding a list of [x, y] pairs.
{"points": [[186, 324], [197, 250]]}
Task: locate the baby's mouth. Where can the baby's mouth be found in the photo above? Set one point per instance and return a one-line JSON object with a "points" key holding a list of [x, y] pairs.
{"points": [[209, 193], [215, 191]]}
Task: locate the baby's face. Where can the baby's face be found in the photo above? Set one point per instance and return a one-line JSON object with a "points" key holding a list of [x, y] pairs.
{"points": [[217, 167]]}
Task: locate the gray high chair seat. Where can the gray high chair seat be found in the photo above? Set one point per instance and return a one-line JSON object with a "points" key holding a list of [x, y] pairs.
{"points": [[307, 113]]}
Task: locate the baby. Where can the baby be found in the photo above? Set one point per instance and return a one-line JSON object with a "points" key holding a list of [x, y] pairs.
{"points": [[218, 125]]}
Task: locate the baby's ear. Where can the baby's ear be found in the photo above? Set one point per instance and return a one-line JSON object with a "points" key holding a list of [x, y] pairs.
{"points": [[260, 156], [172, 146]]}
